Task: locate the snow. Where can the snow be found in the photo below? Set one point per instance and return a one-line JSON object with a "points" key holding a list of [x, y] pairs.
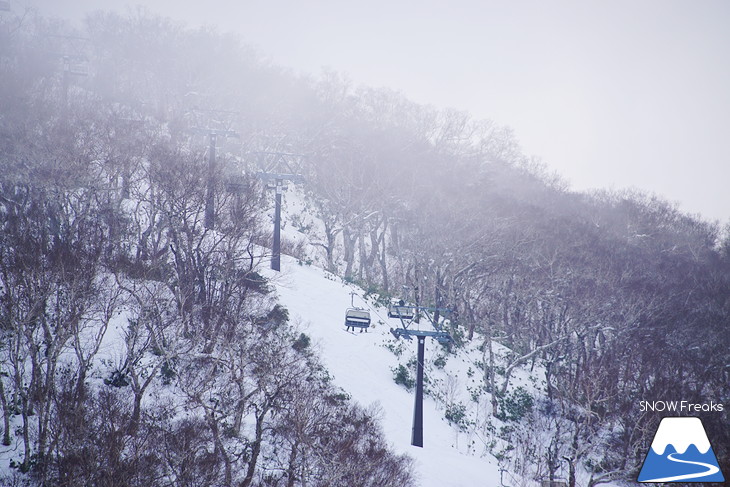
{"points": [[361, 365]]}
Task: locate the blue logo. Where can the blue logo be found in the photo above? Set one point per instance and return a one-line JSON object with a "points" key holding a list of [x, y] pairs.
{"points": [[681, 452]]}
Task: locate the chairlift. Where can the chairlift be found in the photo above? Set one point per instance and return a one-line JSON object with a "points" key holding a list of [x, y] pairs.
{"points": [[357, 318], [236, 183], [400, 311]]}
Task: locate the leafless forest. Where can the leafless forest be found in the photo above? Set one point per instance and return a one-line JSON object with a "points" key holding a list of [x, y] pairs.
{"points": [[110, 206]]}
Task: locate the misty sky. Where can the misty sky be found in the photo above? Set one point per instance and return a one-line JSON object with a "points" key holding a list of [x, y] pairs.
{"points": [[614, 94]]}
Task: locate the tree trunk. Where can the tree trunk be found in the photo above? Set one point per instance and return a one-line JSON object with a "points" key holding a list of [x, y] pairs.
{"points": [[26, 433], [553, 457], [349, 243], [573, 458], [136, 413], [373, 254], [383, 264], [362, 257], [290, 476], [492, 385], [437, 296], [329, 249], [395, 239], [6, 414], [548, 379], [126, 177], [255, 449], [471, 320], [416, 294], [228, 473]]}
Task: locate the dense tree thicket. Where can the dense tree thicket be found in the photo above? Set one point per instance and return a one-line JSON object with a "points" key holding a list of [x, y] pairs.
{"points": [[619, 296], [139, 343]]}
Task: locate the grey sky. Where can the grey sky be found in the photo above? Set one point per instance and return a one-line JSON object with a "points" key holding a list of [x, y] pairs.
{"points": [[613, 94]]}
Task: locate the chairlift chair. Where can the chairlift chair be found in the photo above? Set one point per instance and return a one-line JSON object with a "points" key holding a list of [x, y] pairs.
{"points": [[399, 311], [357, 318]]}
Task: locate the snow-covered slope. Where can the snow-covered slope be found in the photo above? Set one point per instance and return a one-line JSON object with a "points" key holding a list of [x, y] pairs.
{"points": [[362, 366]]}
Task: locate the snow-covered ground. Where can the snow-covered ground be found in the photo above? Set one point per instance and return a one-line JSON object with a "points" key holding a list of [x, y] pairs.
{"points": [[362, 366]]}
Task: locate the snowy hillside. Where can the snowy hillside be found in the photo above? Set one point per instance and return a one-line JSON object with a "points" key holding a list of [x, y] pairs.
{"points": [[144, 341], [362, 365], [465, 444]]}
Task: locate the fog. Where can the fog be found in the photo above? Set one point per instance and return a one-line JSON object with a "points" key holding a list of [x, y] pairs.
{"points": [[184, 221], [611, 95]]}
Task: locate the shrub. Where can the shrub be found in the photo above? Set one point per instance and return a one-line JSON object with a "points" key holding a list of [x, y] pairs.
{"points": [[440, 362], [117, 378], [302, 343], [402, 376], [456, 415], [515, 405]]}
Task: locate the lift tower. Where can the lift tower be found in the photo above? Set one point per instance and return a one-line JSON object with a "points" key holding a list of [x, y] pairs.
{"points": [[213, 134], [408, 333], [276, 169]]}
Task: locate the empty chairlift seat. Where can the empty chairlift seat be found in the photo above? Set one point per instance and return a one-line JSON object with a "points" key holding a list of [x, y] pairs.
{"points": [[399, 311], [357, 318]]}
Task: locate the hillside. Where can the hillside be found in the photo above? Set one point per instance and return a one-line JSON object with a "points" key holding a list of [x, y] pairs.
{"points": [[144, 342], [362, 366]]}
